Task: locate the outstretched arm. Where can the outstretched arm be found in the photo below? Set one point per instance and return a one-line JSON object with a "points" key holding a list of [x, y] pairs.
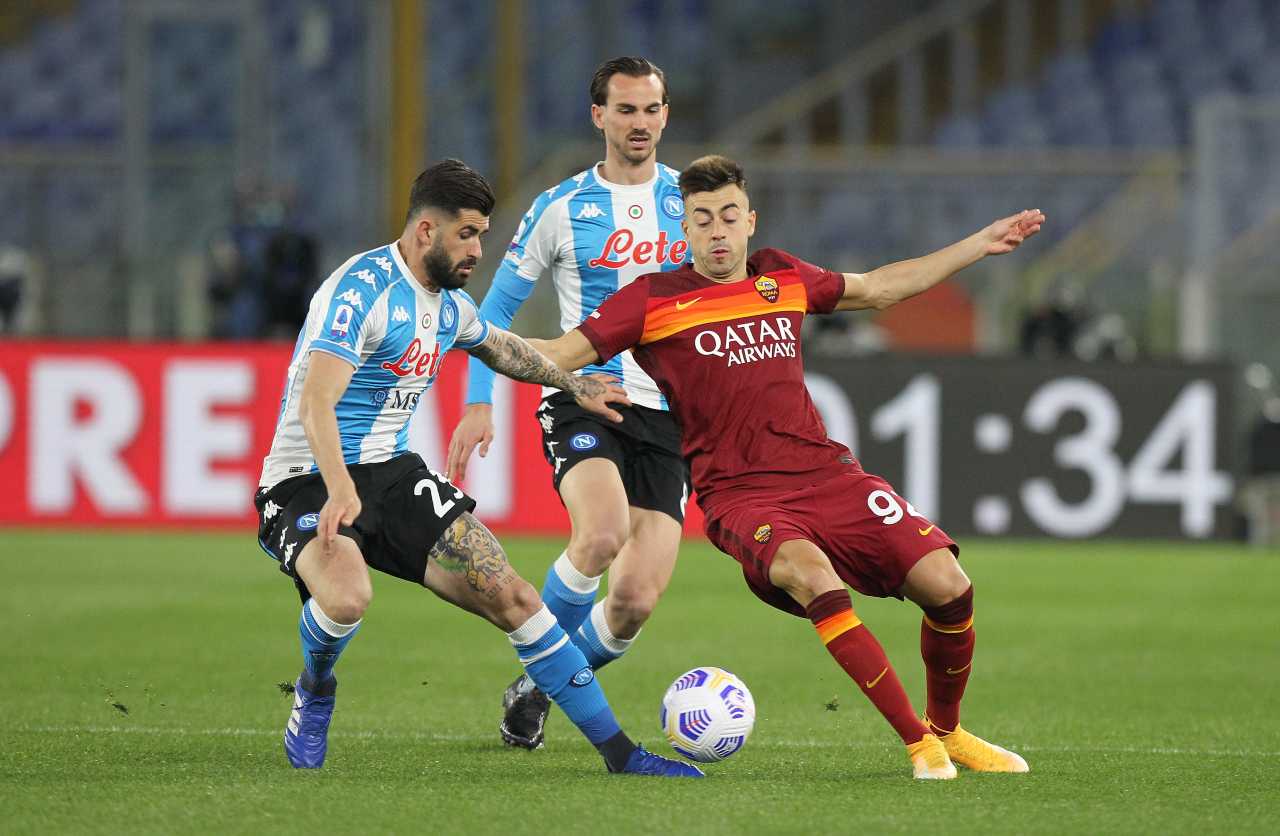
{"points": [[888, 285], [513, 356], [570, 351]]}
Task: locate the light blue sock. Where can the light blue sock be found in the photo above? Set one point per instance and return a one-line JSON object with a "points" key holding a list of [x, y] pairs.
{"points": [[597, 643], [561, 672], [568, 593], [322, 639]]}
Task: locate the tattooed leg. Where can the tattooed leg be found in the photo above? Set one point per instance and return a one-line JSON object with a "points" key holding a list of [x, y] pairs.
{"points": [[468, 568]]}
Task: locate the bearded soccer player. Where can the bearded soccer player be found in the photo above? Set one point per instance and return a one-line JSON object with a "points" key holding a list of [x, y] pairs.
{"points": [[793, 507], [624, 484], [341, 493]]}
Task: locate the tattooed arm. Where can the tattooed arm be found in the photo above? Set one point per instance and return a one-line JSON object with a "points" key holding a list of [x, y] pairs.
{"points": [[512, 356]]}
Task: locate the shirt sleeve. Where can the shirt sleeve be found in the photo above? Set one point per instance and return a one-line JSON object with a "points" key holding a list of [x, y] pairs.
{"points": [[530, 254], [618, 323], [349, 319], [472, 327], [533, 249], [823, 287]]}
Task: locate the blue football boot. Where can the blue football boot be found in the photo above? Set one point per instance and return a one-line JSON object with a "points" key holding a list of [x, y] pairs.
{"points": [[306, 736], [642, 762]]}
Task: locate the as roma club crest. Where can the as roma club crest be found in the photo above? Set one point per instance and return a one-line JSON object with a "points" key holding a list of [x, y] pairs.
{"points": [[767, 288], [765, 532]]}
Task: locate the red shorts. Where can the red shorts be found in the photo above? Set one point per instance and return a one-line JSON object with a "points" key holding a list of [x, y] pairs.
{"points": [[869, 533]]}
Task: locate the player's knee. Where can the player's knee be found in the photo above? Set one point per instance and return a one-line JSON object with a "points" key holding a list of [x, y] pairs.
{"points": [[937, 580], [803, 573], [349, 604], [631, 604], [595, 549]]}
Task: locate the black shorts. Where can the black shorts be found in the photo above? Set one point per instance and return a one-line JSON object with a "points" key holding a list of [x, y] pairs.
{"points": [[645, 447], [404, 509]]}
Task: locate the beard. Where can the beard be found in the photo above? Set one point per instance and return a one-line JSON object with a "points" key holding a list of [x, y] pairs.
{"points": [[442, 272], [632, 155]]}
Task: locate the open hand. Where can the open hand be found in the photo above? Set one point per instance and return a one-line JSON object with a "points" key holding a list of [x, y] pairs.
{"points": [[476, 427], [341, 508], [1006, 234], [595, 392]]}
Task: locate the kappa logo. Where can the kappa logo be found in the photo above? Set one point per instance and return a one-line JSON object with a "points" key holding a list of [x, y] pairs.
{"points": [[579, 177], [270, 510], [559, 462], [368, 278], [589, 211], [763, 534], [400, 315], [288, 554], [680, 306], [547, 421], [384, 263], [354, 298], [768, 288]]}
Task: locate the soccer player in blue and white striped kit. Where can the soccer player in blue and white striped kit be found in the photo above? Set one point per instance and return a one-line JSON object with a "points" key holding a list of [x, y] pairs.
{"points": [[624, 484], [340, 492]]}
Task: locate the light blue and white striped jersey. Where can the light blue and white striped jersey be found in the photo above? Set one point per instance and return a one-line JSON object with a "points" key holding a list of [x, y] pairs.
{"points": [[374, 314], [595, 237]]}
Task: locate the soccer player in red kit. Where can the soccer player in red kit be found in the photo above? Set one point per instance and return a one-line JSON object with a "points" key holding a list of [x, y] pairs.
{"points": [[720, 336]]}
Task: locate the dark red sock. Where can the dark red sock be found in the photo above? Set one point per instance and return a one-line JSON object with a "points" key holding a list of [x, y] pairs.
{"points": [[863, 659], [946, 644]]}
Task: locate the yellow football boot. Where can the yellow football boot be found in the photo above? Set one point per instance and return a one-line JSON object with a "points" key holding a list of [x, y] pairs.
{"points": [[929, 760], [973, 752]]}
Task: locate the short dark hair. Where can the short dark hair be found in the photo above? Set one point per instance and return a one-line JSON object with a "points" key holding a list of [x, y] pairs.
{"points": [[451, 185], [709, 173], [628, 65]]}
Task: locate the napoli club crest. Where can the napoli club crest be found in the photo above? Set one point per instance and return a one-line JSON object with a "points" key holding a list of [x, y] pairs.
{"points": [[768, 288], [448, 316], [763, 534], [673, 207]]}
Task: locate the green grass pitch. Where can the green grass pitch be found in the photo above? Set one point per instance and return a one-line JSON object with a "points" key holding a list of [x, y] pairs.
{"points": [[140, 694]]}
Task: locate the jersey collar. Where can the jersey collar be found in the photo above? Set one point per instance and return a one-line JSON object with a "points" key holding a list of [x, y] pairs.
{"points": [[407, 274], [646, 186]]}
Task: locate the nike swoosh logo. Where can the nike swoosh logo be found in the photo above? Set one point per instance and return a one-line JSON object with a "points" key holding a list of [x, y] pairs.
{"points": [[924, 532], [873, 682], [680, 306], [954, 672]]}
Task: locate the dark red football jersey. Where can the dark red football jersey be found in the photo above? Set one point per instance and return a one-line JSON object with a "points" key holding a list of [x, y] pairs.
{"points": [[727, 357]]}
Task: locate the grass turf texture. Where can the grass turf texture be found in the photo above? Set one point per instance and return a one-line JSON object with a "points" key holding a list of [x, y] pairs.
{"points": [[1140, 682]]}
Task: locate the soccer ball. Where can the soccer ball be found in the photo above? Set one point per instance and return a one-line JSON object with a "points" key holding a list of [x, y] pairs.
{"points": [[707, 714]]}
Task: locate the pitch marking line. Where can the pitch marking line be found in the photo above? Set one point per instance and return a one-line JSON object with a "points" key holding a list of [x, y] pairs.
{"points": [[375, 734]]}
